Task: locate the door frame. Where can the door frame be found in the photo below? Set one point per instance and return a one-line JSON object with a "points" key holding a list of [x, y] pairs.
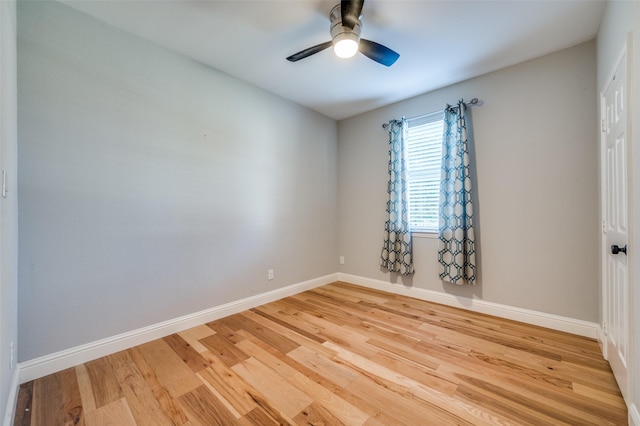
{"points": [[625, 54]]}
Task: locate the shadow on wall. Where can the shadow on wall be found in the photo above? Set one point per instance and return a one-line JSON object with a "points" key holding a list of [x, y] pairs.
{"points": [[396, 278], [466, 293]]}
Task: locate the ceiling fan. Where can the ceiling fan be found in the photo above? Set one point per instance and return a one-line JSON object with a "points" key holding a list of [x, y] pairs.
{"points": [[345, 36]]}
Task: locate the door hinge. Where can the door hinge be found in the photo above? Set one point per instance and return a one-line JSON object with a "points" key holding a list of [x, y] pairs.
{"points": [[604, 227], [4, 184], [603, 127], [604, 327]]}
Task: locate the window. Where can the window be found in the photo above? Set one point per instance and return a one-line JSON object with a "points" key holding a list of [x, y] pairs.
{"points": [[424, 155]]}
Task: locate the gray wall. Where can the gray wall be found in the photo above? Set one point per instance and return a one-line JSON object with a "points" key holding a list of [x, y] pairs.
{"points": [[9, 205], [152, 186], [537, 180], [622, 17]]}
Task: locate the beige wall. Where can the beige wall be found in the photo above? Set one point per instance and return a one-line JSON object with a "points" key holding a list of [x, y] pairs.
{"points": [[537, 210], [622, 18], [153, 187]]}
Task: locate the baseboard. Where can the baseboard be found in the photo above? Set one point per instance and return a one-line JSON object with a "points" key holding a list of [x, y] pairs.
{"points": [[555, 322], [48, 364], [602, 341], [9, 413], [634, 415]]}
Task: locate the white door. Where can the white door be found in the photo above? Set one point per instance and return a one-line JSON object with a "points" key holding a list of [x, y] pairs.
{"points": [[616, 294]]}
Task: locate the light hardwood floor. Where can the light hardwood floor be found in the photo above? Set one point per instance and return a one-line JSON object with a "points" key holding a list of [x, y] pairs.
{"points": [[339, 354]]}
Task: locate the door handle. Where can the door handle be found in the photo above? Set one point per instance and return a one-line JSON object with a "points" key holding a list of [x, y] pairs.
{"points": [[615, 249]]}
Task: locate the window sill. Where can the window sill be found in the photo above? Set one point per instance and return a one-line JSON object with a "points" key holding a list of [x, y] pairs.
{"points": [[425, 234]]}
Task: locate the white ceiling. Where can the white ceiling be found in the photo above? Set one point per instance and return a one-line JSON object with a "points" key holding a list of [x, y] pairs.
{"points": [[440, 42]]}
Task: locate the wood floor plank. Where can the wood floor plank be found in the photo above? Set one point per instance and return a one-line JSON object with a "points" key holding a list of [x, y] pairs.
{"points": [[189, 355], [393, 407], [168, 405], [378, 374], [596, 394], [23, 405], [573, 415], [339, 408], [561, 405], [169, 368], [523, 415], [48, 401], [72, 408], [230, 386], [272, 361], [341, 335], [286, 324], [101, 372], [116, 413], [224, 349], [601, 379], [204, 409], [85, 388], [191, 338], [418, 372], [290, 326], [265, 334], [284, 395], [316, 414], [258, 416], [405, 352], [291, 317], [200, 331], [144, 407], [327, 367], [339, 354]]}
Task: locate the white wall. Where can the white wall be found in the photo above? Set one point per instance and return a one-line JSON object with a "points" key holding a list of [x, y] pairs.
{"points": [[9, 205], [621, 18], [537, 212], [152, 186]]}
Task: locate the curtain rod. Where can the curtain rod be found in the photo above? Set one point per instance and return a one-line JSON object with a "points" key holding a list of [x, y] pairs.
{"points": [[472, 102]]}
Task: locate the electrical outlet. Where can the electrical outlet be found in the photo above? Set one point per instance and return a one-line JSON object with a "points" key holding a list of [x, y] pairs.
{"points": [[12, 357], [342, 260], [270, 274]]}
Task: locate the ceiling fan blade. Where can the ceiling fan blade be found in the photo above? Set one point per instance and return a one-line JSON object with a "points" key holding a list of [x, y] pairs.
{"points": [[351, 11], [308, 52], [379, 53]]}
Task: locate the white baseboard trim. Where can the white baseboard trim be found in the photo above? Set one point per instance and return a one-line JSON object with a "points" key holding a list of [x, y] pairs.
{"points": [[48, 364], [555, 322], [12, 400], [634, 415], [602, 341]]}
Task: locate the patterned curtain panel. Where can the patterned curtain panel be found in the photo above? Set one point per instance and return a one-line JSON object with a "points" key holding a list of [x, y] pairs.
{"points": [[457, 255], [397, 251]]}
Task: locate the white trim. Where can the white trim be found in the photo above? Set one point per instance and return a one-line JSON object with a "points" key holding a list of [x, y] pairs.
{"points": [[48, 364], [12, 399], [555, 322], [634, 415], [602, 340], [425, 234]]}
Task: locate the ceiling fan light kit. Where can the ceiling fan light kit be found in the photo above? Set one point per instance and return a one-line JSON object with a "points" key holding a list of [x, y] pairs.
{"points": [[345, 35], [345, 45], [345, 39]]}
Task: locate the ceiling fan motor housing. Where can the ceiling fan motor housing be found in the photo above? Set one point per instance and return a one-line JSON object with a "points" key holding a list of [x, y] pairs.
{"points": [[338, 31]]}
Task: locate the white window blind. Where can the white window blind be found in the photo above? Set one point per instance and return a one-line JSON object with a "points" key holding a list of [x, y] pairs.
{"points": [[424, 154]]}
